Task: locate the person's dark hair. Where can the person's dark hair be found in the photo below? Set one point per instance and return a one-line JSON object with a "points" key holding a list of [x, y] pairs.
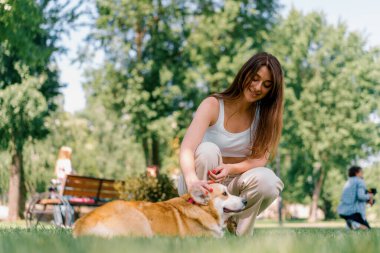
{"points": [[353, 171], [268, 132]]}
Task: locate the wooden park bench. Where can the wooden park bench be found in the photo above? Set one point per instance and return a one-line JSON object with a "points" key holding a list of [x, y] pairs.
{"points": [[76, 192]]}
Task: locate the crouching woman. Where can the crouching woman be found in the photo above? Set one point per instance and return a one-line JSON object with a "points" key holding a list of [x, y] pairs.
{"points": [[232, 136]]}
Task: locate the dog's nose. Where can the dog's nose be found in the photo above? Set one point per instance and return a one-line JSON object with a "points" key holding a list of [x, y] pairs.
{"points": [[245, 201]]}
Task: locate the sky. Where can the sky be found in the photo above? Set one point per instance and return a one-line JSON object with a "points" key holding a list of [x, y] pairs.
{"points": [[362, 16]]}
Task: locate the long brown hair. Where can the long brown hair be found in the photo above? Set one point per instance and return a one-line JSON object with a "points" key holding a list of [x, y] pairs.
{"points": [[267, 135]]}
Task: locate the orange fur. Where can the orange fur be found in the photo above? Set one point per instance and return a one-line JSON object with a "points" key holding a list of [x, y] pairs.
{"points": [[175, 217]]}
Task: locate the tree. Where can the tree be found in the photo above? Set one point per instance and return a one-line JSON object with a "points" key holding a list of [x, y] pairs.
{"points": [[102, 147], [372, 179], [29, 34], [159, 53], [29, 31], [332, 89], [23, 109], [223, 35], [142, 73]]}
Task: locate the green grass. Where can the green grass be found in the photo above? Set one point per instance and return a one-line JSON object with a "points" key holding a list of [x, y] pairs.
{"points": [[294, 240]]}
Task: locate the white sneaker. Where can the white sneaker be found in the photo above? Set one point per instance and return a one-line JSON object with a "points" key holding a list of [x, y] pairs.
{"points": [[355, 225]]}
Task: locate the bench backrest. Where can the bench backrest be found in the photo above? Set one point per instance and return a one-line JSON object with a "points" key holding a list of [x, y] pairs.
{"points": [[97, 188]]}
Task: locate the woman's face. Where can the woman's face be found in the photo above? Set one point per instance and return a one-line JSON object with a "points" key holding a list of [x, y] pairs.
{"points": [[259, 86]]}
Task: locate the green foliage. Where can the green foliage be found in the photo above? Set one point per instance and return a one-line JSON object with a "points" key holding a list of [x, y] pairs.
{"points": [[147, 188], [171, 162], [29, 31], [21, 39], [4, 175], [105, 146], [102, 147], [145, 39], [372, 179], [159, 54], [162, 58], [22, 112], [332, 88], [333, 188], [223, 37], [332, 191]]}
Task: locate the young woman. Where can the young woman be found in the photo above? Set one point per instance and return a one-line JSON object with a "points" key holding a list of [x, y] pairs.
{"points": [[63, 165], [232, 136], [62, 169]]}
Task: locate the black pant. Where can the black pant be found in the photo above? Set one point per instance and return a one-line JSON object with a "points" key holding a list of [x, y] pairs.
{"points": [[355, 217]]}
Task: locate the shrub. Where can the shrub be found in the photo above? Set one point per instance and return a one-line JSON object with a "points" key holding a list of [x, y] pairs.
{"points": [[146, 188]]}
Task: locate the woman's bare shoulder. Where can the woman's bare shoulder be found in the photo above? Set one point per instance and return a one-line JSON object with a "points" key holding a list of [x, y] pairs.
{"points": [[211, 102], [210, 106]]}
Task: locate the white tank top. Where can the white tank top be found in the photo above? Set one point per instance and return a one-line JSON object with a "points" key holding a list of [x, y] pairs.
{"points": [[230, 144]]}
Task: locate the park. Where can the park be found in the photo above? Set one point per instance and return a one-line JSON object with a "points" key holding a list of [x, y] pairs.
{"points": [[145, 69]]}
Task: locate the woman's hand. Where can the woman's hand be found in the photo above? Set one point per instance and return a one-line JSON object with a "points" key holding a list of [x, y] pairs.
{"points": [[219, 174], [200, 184]]}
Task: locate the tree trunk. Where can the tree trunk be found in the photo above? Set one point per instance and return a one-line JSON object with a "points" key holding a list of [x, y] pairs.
{"points": [[316, 193], [17, 191], [155, 151], [140, 33], [278, 164], [146, 150]]}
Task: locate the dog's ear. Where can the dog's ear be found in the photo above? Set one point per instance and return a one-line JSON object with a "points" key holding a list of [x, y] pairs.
{"points": [[199, 196]]}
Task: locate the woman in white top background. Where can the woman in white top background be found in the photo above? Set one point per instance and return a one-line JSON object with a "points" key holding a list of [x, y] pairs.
{"points": [[63, 165], [233, 135], [62, 169]]}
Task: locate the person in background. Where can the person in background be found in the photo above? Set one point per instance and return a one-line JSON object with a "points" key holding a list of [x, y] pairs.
{"points": [[63, 165], [63, 214], [352, 206]]}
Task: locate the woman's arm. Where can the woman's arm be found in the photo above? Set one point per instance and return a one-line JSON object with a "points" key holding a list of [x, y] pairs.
{"points": [[249, 163], [220, 173], [203, 118]]}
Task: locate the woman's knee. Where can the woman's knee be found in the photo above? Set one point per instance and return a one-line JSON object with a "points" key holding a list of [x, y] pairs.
{"points": [[264, 181], [208, 152]]}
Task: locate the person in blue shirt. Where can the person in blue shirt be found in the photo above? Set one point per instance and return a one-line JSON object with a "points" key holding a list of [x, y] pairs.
{"points": [[352, 206]]}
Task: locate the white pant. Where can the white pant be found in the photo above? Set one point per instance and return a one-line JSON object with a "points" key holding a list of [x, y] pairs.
{"points": [[259, 185]]}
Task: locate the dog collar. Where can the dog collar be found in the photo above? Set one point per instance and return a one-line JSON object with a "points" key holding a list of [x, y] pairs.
{"points": [[191, 200]]}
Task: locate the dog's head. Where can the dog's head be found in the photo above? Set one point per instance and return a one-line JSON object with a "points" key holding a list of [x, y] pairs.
{"points": [[226, 204]]}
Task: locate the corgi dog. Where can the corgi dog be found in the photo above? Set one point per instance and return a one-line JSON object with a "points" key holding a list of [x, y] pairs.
{"points": [[197, 213]]}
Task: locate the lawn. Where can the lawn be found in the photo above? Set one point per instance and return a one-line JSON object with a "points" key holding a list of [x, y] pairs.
{"points": [[294, 240]]}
